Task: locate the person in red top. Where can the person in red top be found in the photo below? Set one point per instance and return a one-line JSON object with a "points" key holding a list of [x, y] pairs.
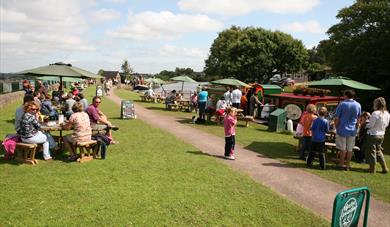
{"points": [[306, 121], [99, 121], [229, 124]]}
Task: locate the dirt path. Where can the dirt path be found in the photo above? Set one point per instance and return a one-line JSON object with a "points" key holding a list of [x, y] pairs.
{"points": [[304, 188]]}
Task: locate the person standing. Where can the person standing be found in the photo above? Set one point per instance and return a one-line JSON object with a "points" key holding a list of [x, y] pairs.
{"points": [[253, 104], [236, 97], [306, 121], [346, 122], [229, 124], [376, 126], [202, 100], [228, 96], [319, 129]]}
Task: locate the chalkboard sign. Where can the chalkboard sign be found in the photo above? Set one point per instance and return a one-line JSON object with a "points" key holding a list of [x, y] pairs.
{"points": [[99, 90]]}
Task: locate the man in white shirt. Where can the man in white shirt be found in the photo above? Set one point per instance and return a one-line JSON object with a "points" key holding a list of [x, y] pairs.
{"points": [[228, 96], [236, 97]]}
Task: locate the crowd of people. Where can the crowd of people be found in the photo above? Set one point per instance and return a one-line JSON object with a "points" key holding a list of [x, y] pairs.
{"points": [[351, 127], [38, 106]]}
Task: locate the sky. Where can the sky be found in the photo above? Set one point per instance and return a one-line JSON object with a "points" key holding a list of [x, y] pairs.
{"points": [[153, 35]]}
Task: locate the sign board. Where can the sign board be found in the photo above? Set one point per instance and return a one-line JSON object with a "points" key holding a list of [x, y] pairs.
{"points": [[127, 110], [348, 205], [99, 90]]}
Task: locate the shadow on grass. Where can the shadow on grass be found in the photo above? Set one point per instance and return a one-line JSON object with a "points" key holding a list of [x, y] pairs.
{"points": [[206, 154], [10, 121]]}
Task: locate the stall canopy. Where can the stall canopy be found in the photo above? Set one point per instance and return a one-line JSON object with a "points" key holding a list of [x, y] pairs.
{"points": [[60, 70], [57, 79], [183, 78], [230, 81], [341, 83], [155, 81]]}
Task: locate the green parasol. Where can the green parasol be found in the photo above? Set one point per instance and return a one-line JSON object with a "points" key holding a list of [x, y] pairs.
{"points": [[60, 70], [231, 81], [341, 83], [183, 78]]}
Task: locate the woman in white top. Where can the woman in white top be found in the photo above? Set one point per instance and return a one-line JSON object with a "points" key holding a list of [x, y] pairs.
{"points": [[376, 126]]}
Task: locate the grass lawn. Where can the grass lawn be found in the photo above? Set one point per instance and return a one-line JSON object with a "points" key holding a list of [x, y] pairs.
{"points": [[149, 179], [282, 147]]}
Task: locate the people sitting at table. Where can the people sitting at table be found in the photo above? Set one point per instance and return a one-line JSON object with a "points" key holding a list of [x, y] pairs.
{"points": [[149, 94], [69, 102], [30, 128], [98, 120], [82, 131], [20, 111], [47, 108], [220, 108], [37, 98], [56, 95], [170, 99], [376, 126], [84, 101], [266, 110]]}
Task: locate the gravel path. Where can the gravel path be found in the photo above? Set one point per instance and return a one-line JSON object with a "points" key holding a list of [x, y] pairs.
{"points": [[304, 188]]}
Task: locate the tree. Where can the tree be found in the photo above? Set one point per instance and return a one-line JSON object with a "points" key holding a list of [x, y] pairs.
{"points": [[100, 72], [254, 54], [360, 43], [126, 70]]}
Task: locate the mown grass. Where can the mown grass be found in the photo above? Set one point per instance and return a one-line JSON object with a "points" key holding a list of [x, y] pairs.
{"points": [[149, 179], [283, 147]]}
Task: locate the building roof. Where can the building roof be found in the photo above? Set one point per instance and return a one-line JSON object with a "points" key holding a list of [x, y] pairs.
{"points": [[110, 74]]}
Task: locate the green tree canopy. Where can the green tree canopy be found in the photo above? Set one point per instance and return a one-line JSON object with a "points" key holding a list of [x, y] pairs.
{"points": [[251, 54], [360, 43], [126, 70]]}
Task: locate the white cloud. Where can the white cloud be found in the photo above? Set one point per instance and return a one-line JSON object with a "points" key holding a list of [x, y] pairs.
{"points": [[163, 25], [105, 15], [241, 7], [180, 52], [311, 26], [42, 26]]}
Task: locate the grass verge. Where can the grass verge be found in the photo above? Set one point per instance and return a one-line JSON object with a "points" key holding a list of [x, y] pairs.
{"points": [[149, 179]]}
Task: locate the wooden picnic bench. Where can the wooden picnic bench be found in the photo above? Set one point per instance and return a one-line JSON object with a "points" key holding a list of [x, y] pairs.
{"points": [[91, 150], [25, 153]]}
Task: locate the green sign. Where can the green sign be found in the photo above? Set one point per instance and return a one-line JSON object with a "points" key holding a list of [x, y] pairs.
{"points": [[348, 205]]}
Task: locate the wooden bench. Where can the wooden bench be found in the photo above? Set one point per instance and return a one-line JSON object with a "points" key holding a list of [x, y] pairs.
{"points": [[172, 106], [91, 150], [25, 153], [247, 119]]}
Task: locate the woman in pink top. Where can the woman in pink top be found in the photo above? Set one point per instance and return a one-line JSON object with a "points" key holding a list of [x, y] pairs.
{"points": [[81, 125], [229, 124]]}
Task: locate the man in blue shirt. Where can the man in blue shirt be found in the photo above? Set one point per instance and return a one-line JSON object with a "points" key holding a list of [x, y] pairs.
{"points": [[319, 129], [202, 100], [347, 114]]}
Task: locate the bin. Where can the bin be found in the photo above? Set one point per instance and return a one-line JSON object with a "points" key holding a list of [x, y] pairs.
{"points": [[127, 110], [277, 120]]}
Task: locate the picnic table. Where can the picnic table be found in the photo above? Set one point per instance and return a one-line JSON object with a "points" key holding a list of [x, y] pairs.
{"points": [[48, 127]]}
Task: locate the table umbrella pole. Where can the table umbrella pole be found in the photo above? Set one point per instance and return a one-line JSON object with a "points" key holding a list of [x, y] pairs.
{"points": [[60, 83], [182, 86]]}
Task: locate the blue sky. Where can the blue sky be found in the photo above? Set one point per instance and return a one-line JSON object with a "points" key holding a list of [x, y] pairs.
{"points": [[153, 35]]}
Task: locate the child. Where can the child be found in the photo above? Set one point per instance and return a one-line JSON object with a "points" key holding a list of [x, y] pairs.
{"points": [[229, 123], [306, 121], [319, 129], [361, 138]]}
